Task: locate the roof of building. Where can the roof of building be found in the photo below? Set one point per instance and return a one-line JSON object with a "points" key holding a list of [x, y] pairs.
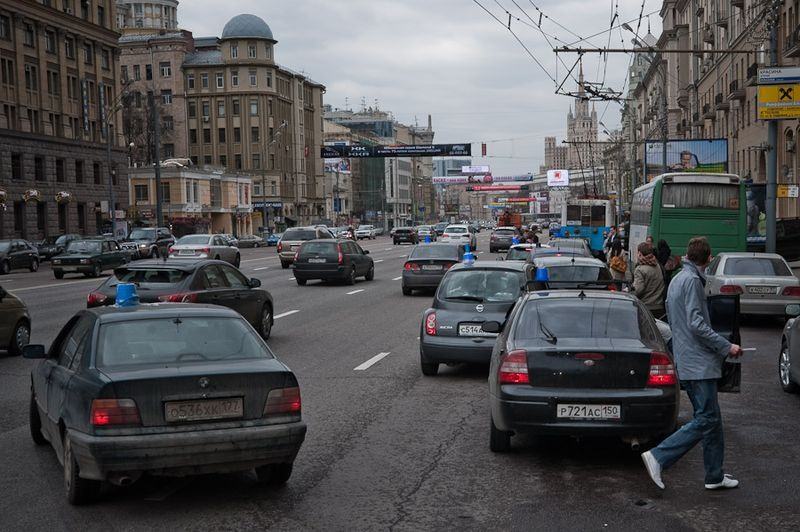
{"points": [[205, 42], [247, 26], [204, 57], [144, 37]]}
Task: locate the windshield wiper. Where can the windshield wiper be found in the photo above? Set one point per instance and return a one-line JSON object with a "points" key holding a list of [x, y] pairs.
{"points": [[548, 333], [467, 298]]}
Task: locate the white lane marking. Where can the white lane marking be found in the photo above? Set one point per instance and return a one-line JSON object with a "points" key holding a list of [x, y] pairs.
{"points": [[292, 279], [397, 278], [388, 249], [355, 292], [284, 314], [259, 269], [379, 260], [260, 258], [56, 284], [366, 365], [480, 253]]}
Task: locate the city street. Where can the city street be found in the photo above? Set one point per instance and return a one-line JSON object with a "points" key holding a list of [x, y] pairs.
{"points": [[390, 449]]}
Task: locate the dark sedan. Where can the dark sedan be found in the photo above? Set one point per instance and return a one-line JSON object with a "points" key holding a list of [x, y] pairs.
{"points": [[580, 364], [54, 245], [468, 296], [250, 241], [192, 281], [16, 254], [407, 235], [560, 272], [332, 260], [578, 245], [427, 264], [165, 390], [15, 323], [502, 238], [89, 256]]}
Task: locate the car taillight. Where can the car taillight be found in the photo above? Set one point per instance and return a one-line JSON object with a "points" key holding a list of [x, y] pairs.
{"points": [[170, 250], [411, 267], [793, 291], [430, 324], [280, 247], [612, 287], [95, 298], [296, 255], [115, 412], [283, 401], [730, 289], [514, 368], [341, 257], [448, 265], [662, 370], [183, 297]]}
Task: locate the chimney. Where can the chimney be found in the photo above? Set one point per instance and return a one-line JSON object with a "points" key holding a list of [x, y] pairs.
{"points": [[430, 123]]}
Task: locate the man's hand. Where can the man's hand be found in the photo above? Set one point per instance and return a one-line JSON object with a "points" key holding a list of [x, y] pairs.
{"points": [[735, 351]]}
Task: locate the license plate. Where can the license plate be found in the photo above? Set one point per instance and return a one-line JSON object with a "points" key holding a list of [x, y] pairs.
{"points": [[431, 267], [471, 329], [201, 410], [588, 411], [186, 252], [317, 261], [762, 289], [69, 269]]}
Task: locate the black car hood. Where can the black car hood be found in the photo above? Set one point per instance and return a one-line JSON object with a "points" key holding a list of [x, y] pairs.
{"points": [[76, 255]]}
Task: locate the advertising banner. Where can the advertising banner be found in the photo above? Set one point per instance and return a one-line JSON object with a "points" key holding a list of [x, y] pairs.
{"points": [[496, 188], [520, 200], [779, 101], [424, 150], [341, 166], [698, 155], [474, 169], [756, 213], [557, 178], [486, 179]]}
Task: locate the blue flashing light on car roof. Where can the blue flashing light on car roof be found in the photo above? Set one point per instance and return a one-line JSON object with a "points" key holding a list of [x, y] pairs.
{"points": [[126, 295], [427, 239], [514, 241], [469, 256], [542, 275]]}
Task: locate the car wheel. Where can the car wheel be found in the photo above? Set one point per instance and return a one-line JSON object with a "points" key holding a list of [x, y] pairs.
{"points": [[407, 291], [35, 423], [429, 369], [301, 282], [370, 274], [19, 338], [351, 277], [274, 474], [79, 490], [265, 327], [154, 253], [237, 261], [5, 267], [216, 258], [34, 265], [58, 275], [284, 265], [97, 270], [499, 440], [784, 370]]}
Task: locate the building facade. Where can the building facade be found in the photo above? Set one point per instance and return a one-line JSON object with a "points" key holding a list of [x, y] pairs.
{"points": [[153, 14], [555, 156], [61, 155], [582, 148]]}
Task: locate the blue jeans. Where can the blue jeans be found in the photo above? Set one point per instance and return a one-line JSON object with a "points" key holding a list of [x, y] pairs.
{"points": [[706, 426]]}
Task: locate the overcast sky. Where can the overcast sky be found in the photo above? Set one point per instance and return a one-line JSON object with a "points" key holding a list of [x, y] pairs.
{"points": [[447, 58]]}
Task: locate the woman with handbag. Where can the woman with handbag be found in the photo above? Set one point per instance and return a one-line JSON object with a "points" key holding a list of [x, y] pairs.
{"points": [[617, 261]]}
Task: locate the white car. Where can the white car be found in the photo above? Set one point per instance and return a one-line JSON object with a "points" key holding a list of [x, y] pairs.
{"points": [[205, 247], [461, 234], [365, 231]]}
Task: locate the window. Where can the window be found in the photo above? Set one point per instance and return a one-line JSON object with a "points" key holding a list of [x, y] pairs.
{"points": [[190, 81], [223, 160], [251, 51], [192, 111], [19, 216], [88, 53], [140, 192], [234, 51], [192, 136], [253, 78], [256, 161], [206, 108], [81, 217], [700, 196], [53, 83], [168, 123], [221, 134], [60, 171], [166, 97], [207, 159], [7, 71], [269, 80], [220, 107], [235, 107], [165, 69], [16, 166], [148, 72], [105, 59], [238, 161], [254, 134], [204, 81], [757, 267], [98, 178], [274, 186], [220, 80], [272, 161], [237, 135], [253, 107], [5, 28], [268, 50], [31, 78], [38, 168], [50, 41], [235, 78], [235, 279], [124, 70], [69, 47], [165, 197], [28, 35], [41, 215], [79, 171], [101, 16], [137, 72], [206, 136]]}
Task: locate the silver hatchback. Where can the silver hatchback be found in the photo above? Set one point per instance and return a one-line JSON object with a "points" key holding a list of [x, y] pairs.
{"points": [[764, 281], [206, 247]]}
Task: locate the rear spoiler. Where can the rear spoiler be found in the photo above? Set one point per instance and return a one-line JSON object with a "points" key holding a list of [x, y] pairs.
{"points": [[614, 285]]}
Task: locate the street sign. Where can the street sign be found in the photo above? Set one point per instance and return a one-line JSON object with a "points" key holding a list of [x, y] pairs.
{"points": [[767, 76], [474, 169], [777, 102], [788, 191]]}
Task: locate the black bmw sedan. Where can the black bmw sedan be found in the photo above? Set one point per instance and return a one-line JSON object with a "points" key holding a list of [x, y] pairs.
{"points": [[427, 265], [332, 260], [166, 390], [576, 363]]}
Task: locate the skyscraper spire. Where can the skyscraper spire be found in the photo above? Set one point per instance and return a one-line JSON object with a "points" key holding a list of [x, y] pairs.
{"points": [[581, 90]]}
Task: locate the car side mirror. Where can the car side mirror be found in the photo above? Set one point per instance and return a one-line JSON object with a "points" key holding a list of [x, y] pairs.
{"points": [[792, 311], [255, 283], [491, 327], [33, 351], [366, 252]]}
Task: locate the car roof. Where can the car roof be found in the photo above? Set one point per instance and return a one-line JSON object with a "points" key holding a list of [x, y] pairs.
{"points": [[502, 265], [458, 225], [527, 245], [507, 227], [573, 260], [112, 314], [748, 255], [579, 294], [202, 234], [188, 264]]}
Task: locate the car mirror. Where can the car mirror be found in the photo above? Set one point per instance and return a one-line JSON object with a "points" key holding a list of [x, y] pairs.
{"points": [[366, 252], [791, 310], [33, 351], [255, 283], [491, 327]]}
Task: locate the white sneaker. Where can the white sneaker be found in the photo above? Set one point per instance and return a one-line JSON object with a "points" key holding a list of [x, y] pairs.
{"points": [[728, 482], [653, 468]]}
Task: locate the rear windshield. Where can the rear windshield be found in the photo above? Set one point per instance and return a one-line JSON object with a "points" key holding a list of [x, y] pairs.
{"points": [[579, 274], [314, 248], [760, 267], [177, 341], [505, 232], [84, 246], [192, 240], [481, 286], [518, 254], [152, 278], [585, 318], [700, 196], [567, 244], [435, 252], [299, 234], [455, 230], [403, 230]]}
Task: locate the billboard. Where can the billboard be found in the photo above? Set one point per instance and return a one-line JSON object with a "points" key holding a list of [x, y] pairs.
{"points": [[488, 178], [424, 150], [340, 166], [779, 101], [557, 178], [474, 169], [698, 155]]}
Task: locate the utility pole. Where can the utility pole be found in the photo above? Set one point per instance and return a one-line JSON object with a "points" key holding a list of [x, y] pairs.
{"points": [[772, 139], [156, 154]]}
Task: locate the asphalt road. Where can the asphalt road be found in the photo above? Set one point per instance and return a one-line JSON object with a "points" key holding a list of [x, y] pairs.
{"points": [[390, 449]]}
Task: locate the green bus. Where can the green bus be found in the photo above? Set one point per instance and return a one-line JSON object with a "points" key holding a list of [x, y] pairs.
{"points": [[678, 206]]}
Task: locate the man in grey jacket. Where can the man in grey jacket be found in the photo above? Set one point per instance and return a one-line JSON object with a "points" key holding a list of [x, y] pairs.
{"points": [[699, 353]]}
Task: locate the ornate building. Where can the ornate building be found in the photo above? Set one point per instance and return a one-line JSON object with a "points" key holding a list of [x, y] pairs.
{"points": [[582, 131]]}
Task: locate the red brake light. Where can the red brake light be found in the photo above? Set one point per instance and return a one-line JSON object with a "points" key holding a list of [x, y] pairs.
{"points": [[283, 401], [793, 291], [514, 368], [170, 250], [430, 324], [662, 370], [115, 412], [183, 297], [341, 257], [95, 298], [411, 267], [296, 255], [730, 289], [206, 250], [612, 287], [280, 247]]}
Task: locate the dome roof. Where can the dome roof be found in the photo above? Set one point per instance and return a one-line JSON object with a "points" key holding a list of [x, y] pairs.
{"points": [[247, 26]]}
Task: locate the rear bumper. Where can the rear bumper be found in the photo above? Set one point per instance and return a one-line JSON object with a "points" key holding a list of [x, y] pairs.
{"points": [[286, 256], [501, 245], [644, 412], [456, 349], [406, 239], [302, 271], [422, 280], [768, 307], [187, 453]]}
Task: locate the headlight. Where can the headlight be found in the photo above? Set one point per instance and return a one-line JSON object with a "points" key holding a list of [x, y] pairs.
{"points": [[84, 261], [56, 261], [142, 245]]}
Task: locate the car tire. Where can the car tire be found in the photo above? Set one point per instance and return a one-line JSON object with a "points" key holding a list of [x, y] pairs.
{"points": [[407, 291], [237, 261], [499, 440], [301, 282], [5, 267], [20, 337], [35, 423], [370, 274], [265, 325], [154, 253], [58, 275], [351, 277], [492, 250], [34, 265], [284, 265], [97, 270], [784, 370], [274, 474], [79, 490], [216, 258], [429, 369]]}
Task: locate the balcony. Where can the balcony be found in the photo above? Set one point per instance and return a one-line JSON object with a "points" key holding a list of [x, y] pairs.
{"points": [[735, 92], [708, 112], [791, 47], [697, 120], [722, 20], [738, 3], [683, 98], [720, 103], [752, 74], [708, 35]]}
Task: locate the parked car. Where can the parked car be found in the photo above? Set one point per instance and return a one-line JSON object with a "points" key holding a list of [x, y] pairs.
{"points": [[54, 245], [502, 238], [273, 239], [764, 281], [427, 265], [230, 239], [426, 231], [151, 241], [215, 247], [192, 281], [365, 231], [404, 234], [575, 244], [249, 241], [163, 390], [440, 227], [460, 233], [330, 260], [89, 256], [378, 230], [293, 238], [16, 254], [467, 297], [789, 356], [15, 323]]}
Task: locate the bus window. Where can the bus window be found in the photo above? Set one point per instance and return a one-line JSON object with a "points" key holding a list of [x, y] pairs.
{"points": [[598, 216], [700, 196], [573, 215]]}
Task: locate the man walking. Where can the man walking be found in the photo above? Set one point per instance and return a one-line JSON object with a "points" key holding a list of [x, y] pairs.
{"points": [[698, 352]]}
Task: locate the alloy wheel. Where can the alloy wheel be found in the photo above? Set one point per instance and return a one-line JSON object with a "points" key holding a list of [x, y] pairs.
{"points": [[22, 336], [266, 322], [785, 367]]}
